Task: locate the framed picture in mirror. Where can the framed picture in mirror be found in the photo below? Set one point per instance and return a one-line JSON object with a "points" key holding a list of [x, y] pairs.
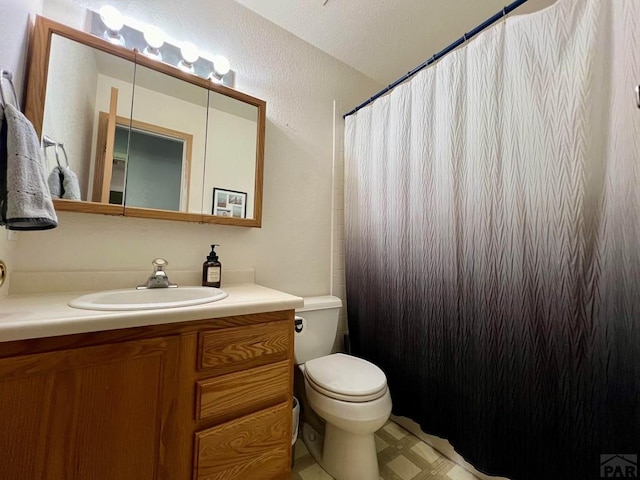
{"points": [[229, 203]]}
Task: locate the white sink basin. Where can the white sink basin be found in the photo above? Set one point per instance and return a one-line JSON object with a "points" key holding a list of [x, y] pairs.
{"points": [[151, 298]]}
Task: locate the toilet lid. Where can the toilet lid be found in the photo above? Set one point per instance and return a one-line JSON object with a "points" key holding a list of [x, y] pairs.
{"points": [[346, 376]]}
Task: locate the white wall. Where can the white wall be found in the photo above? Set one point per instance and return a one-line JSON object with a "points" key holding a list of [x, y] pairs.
{"points": [[338, 280], [293, 249], [15, 18]]}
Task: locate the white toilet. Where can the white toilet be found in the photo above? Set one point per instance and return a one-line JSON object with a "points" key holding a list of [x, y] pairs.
{"points": [[349, 393]]}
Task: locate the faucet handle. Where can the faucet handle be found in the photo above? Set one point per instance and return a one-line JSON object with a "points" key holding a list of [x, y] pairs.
{"points": [[158, 278], [159, 264]]}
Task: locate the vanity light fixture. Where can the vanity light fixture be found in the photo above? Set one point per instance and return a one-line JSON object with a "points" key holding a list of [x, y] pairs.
{"points": [[220, 68], [114, 22], [152, 42], [190, 55], [155, 39]]}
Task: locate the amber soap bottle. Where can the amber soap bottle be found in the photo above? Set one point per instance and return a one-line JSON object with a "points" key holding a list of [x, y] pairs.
{"points": [[212, 269]]}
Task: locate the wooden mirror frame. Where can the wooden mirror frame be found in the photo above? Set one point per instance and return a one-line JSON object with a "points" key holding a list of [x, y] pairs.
{"points": [[44, 30]]}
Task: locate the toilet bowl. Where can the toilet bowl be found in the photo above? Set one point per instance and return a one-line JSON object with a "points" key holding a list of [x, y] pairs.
{"points": [[350, 394]]}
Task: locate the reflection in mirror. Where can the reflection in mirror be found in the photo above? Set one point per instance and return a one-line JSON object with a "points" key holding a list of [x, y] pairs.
{"points": [[138, 151], [82, 82], [166, 150], [230, 169]]}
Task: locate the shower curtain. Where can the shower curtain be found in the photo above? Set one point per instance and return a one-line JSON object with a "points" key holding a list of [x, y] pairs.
{"points": [[492, 227]]}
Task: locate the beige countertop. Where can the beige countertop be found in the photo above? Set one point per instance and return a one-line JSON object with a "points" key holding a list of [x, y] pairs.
{"points": [[48, 315]]}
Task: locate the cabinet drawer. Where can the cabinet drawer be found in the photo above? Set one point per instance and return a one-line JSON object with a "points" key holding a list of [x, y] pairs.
{"points": [[256, 447], [243, 392], [239, 348]]}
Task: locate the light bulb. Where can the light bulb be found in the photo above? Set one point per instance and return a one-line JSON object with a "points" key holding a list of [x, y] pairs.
{"points": [[154, 37], [189, 53], [112, 18], [220, 66]]}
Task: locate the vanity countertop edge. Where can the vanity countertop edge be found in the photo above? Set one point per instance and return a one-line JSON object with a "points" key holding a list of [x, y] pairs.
{"points": [[24, 317]]}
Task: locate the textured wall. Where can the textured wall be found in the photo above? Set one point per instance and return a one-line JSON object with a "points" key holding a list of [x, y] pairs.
{"points": [[14, 22], [292, 251]]}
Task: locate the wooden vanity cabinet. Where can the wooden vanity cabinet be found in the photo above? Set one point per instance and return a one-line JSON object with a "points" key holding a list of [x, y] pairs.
{"points": [[244, 377], [203, 400], [70, 413]]}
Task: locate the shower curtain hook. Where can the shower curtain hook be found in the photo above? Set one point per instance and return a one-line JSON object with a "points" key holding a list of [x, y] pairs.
{"points": [[638, 95]]}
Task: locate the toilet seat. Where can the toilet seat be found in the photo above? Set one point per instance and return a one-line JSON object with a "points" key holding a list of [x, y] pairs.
{"points": [[346, 378], [345, 398]]}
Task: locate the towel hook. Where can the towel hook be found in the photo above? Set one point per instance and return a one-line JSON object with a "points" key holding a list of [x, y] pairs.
{"points": [[7, 75], [66, 158], [47, 142], [57, 157]]}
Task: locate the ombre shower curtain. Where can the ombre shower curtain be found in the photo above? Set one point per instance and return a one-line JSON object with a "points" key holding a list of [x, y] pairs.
{"points": [[493, 243]]}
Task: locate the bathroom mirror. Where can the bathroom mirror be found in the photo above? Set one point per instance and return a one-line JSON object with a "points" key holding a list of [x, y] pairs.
{"points": [[166, 151], [144, 138], [82, 82], [229, 186]]}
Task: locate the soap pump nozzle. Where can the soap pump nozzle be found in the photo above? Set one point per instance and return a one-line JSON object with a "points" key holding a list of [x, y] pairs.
{"points": [[213, 255]]}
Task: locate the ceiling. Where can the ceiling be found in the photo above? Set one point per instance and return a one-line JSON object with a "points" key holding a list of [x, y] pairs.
{"points": [[382, 39]]}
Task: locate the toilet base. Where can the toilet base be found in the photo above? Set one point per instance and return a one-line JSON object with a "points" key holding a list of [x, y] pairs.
{"points": [[343, 455], [313, 441]]}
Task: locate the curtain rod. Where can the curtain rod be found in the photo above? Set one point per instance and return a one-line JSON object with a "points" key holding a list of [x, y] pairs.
{"points": [[467, 36]]}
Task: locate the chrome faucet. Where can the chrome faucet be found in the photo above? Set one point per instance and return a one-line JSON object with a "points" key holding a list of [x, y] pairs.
{"points": [[159, 277]]}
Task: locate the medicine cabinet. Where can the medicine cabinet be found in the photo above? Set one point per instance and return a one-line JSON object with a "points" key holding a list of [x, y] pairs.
{"points": [[145, 138]]}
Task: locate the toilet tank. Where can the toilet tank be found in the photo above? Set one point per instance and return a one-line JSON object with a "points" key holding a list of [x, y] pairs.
{"points": [[319, 327]]}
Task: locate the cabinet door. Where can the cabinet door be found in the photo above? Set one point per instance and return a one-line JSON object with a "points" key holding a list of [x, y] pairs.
{"points": [[98, 413]]}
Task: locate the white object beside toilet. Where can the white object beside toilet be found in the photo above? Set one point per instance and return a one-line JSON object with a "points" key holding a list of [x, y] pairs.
{"points": [[349, 393]]}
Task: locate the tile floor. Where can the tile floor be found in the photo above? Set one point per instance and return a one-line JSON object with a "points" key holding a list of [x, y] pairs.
{"points": [[401, 457]]}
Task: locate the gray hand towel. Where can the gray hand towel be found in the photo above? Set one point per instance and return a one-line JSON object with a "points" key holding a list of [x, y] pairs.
{"points": [[55, 182], [70, 184], [63, 183], [28, 204]]}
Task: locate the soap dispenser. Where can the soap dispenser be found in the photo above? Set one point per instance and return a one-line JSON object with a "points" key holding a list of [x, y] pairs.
{"points": [[212, 269]]}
